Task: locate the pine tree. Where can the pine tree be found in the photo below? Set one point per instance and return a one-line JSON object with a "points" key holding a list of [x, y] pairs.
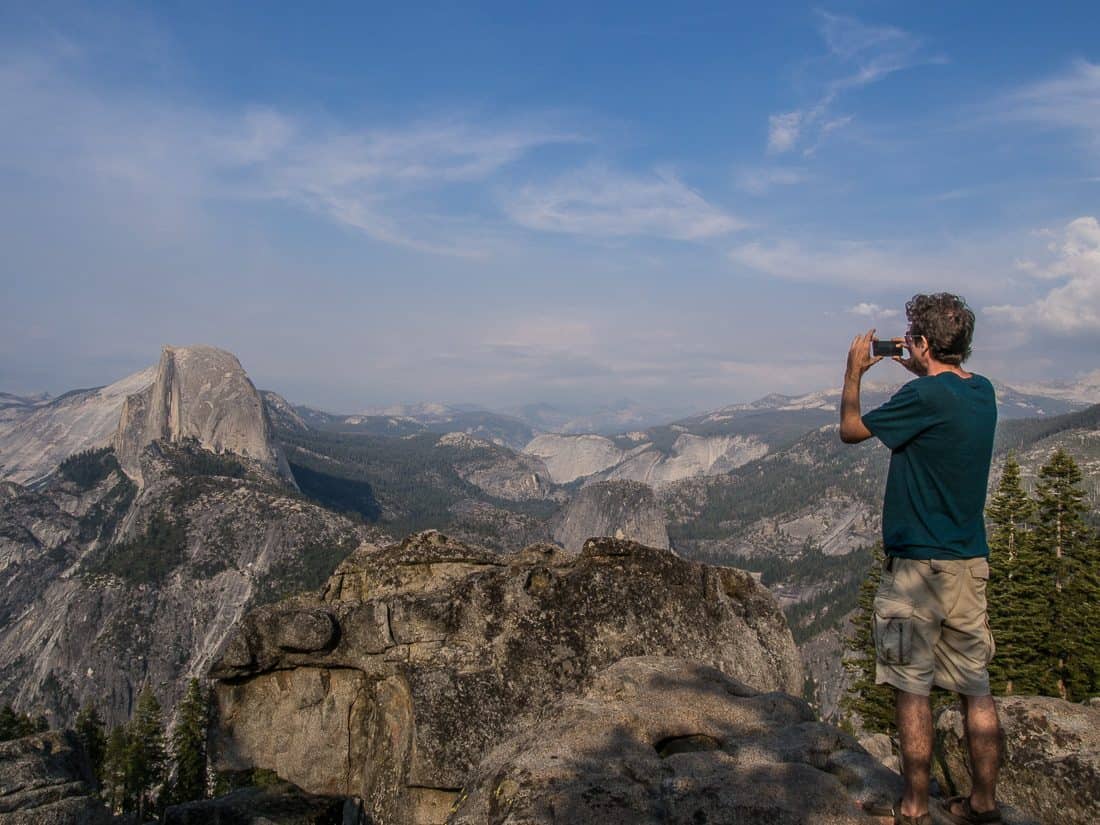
{"points": [[90, 730], [146, 758], [1010, 512], [1068, 548], [189, 745], [1018, 598], [115, 761], [872, 704]]}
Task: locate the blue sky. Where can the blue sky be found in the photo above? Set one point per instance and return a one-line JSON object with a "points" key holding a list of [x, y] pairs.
{"points": [[502, 203]]}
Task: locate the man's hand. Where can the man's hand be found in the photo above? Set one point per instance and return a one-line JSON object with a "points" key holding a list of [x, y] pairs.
{"points": [[852, 429], [859, 356]]}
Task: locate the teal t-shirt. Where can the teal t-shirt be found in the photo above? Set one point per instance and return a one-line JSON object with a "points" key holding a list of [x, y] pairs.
{"points": [[940, 431]]}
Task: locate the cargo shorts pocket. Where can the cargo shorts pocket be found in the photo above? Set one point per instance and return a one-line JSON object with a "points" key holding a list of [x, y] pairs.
{"points": [[893, 631]]}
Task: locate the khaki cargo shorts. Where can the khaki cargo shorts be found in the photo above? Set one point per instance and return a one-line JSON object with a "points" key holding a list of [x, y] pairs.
{"points": [[931, 628]]}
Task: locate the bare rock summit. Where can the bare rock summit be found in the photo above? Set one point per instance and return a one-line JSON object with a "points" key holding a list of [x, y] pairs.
{"points": [[199, 393]]}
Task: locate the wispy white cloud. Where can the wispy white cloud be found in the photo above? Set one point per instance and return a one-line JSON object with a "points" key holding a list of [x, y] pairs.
{"points": [[848, 263], [140, 149], [602, 203], [954, 195], [1068, 100], [1073, 306], [784, 130], [869, 310], [760, 181], [858, 54]]}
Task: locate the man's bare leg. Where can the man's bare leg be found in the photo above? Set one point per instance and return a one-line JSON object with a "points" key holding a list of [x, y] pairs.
{"points": [[985, 743], [914, 720]]}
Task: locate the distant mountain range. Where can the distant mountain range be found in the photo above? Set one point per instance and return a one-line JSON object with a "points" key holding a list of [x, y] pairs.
{"points": [[622, 440]]}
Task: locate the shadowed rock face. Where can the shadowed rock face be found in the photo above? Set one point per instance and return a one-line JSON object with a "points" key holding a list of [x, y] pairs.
{"points": [[202, 393], [46, 778], [432, 651], [623, 509], [279, 804], [1051, 769], [666, 741]]}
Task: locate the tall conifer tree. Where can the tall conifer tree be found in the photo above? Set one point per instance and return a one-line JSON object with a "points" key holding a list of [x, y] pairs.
{"points": [[1069, 550], [189, 745], [115, 760], [147, 761], [1019, 600], [872, 704]]}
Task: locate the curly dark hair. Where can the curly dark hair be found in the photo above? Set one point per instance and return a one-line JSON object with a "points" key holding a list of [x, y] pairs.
{"points": [[945, 322]]}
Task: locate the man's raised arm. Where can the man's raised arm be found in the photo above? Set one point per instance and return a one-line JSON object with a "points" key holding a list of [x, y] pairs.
{"points": [[860, 360]]}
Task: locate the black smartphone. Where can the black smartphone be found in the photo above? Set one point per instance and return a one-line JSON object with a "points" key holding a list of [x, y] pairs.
{"points": [[885, 348]]}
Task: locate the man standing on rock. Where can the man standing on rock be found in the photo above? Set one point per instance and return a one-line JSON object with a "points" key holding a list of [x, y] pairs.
{"points": [[930, 623]]}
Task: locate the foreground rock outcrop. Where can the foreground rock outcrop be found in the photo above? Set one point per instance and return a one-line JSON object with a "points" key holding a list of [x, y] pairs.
{"points": [[623, 509], [45, 779], [666, 741], [419, 657], [1052, 758]]}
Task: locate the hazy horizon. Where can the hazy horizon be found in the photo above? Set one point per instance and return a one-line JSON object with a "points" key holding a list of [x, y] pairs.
{"points": [[883, 374]]}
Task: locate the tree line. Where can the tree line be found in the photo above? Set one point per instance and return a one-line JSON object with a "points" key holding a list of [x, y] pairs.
{"points": [[1043, 596], [1044, 589], [139, 769]]}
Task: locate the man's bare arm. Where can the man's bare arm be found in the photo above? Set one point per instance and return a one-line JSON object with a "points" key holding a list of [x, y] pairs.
{"points": [[852, 430]]}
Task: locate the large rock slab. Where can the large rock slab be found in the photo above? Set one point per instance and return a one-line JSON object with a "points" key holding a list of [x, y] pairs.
{"points": [[666, 741], [439, 650], [1051, 768], [45, 779]]}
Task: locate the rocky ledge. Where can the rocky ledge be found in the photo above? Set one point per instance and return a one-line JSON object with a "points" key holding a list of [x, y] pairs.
{"points": [[45, 779], [418, 658], [1051, 768], [667, 741]]}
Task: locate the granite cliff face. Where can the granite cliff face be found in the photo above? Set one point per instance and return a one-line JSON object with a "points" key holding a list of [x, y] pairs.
{"points": [[199, 393], [497, 470], [416, 658], [34, 442], [107, 587], [570, 457], [622, 509]]}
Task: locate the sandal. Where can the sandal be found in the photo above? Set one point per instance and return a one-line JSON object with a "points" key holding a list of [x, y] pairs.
{"points": [[904, 819], [968, 816]]}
